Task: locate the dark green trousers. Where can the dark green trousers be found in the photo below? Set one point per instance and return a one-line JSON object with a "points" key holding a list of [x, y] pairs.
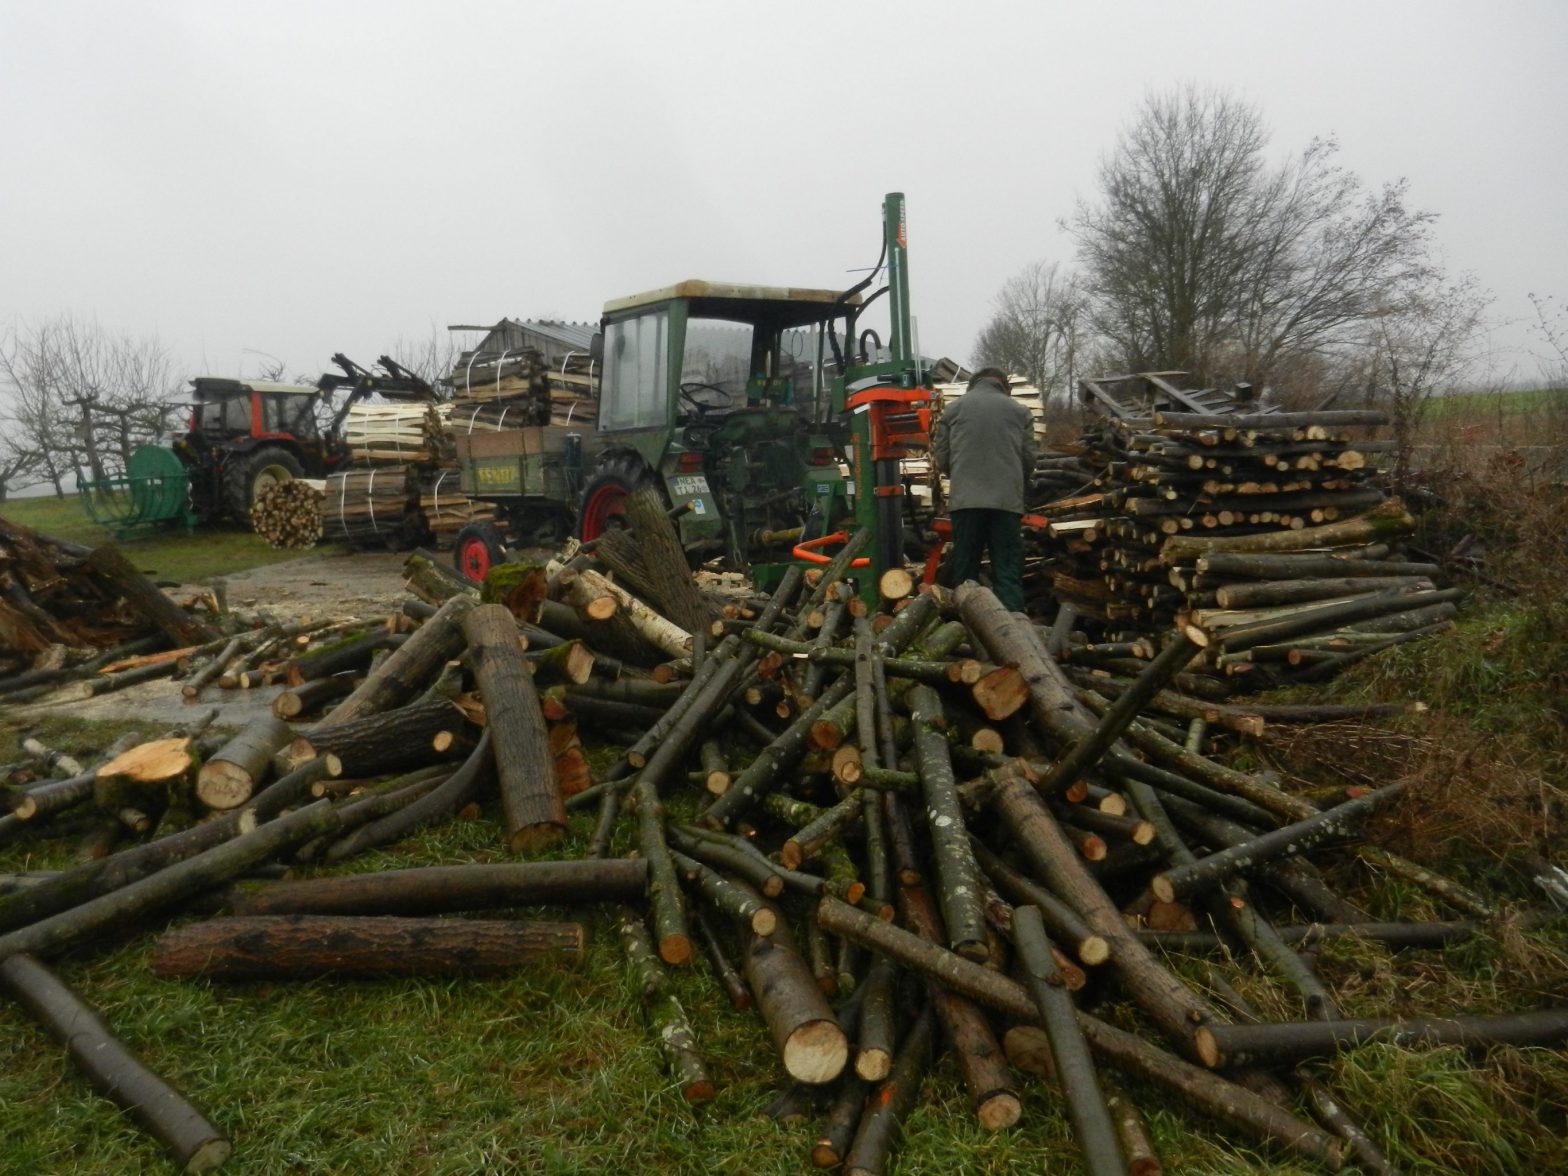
{"points": [[1000, 532]]}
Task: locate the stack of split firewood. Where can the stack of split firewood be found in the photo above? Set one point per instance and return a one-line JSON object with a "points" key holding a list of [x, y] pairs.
{"points": [[520, 389], [397, 433], [372, 507], [445, 509], [1266, 530], [289, 514], [894, 829]]}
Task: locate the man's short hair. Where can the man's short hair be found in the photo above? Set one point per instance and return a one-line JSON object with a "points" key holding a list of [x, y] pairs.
{"points": [[989, 373]]}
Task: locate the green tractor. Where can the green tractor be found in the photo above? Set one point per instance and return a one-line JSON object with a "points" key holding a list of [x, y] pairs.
{"points": [[746, 405]]}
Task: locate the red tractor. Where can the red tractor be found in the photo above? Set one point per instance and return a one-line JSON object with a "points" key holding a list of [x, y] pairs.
{"points": [[248, 435], [245, 437]]}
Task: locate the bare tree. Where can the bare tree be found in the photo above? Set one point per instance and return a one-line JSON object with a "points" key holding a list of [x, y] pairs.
{"points": [[1035, 328], [1198, 255], [430, 358], [1428, 344], [82, 397], [19, 466]]}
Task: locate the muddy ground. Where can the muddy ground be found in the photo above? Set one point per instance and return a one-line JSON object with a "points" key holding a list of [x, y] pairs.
{"points": [[367, 585]]}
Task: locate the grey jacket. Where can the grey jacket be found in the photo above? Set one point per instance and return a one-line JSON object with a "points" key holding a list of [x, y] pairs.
{"points": [[984, 442]]}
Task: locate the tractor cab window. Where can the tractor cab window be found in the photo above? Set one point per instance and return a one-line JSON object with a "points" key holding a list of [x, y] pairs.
{"points": [[716, 364], [287, 413], [633, 395], [224, 415]]}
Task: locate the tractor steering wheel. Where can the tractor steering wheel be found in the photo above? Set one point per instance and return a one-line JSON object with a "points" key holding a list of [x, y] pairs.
{"points": [[689, 390]]}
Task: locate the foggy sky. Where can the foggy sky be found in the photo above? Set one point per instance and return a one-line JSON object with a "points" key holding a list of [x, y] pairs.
{"points": [[293, 179]]}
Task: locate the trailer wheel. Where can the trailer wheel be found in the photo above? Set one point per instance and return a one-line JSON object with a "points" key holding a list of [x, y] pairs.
{"points": [[604, 498], [245, 478], [479, 548]]}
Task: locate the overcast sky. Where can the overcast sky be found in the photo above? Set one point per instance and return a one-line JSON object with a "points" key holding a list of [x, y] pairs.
{"points": [[294, 179]]}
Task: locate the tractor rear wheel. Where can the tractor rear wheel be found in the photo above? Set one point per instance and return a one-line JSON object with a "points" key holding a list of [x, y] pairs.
{"points": [[604, 497], [478, 549], [246, 476]]}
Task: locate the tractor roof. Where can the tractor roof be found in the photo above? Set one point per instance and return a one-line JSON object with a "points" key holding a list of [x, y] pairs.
{"points": [[222, 384], [735, 293]]}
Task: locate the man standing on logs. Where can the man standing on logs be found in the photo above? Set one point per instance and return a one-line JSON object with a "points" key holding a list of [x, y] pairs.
{"points": [[984, 443]]}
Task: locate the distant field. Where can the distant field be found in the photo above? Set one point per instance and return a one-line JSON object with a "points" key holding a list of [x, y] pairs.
{"points": [[164, 555], [1483, 406]]}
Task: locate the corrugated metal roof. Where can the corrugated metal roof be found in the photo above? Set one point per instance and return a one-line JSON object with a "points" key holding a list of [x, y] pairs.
{"points": [[574, 335]]}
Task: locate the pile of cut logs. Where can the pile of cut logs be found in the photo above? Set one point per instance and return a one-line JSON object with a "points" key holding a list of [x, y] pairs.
{"points": [[1265, 530], [57, 596], [890, 830], [289, 514]]}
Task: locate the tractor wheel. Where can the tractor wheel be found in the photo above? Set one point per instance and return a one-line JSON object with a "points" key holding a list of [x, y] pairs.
{"points": [[479, 548], [245, 478], [604, 497]]}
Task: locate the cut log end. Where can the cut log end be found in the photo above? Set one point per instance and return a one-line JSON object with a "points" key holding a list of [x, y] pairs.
{"points": [[675, 950], [1093, 950], [1207, 1048], [999, 1110], [223, 786], [702, 1090], [825, 1154], [873, 1064], [896, 584], [764, 922], [1162, 888], [816, 1052]]}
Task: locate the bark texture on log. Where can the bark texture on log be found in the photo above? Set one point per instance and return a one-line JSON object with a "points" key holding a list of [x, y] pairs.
{"points": [[809, 1040], [271, 947], [525, 770], [410, 666]]}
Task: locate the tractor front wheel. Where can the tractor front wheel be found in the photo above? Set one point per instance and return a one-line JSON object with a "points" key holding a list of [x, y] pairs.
{"points": [[478, 549], [605, 495], [246, 478]]}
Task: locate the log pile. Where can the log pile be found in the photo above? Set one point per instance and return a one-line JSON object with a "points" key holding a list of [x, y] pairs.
{"points": [[373, 507], [290, 514], [867, 821], [1266, 530], [56, 597], [445, 510], [521, 389], [398, 433]]}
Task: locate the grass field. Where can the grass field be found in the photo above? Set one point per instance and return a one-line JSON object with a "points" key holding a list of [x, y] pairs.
{"points": [[163, 555]]}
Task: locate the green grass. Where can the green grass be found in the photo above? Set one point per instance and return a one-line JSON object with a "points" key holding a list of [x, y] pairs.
{"points": [[1460, 407], [169, 554]]}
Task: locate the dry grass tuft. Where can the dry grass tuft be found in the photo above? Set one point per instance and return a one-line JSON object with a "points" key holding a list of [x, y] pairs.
{"points": [[1467, 796]]}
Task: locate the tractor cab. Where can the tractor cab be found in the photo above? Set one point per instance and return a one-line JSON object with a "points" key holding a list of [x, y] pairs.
{"points": [[724, 394], [695, 350], [227, 410], [245, 436]]}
